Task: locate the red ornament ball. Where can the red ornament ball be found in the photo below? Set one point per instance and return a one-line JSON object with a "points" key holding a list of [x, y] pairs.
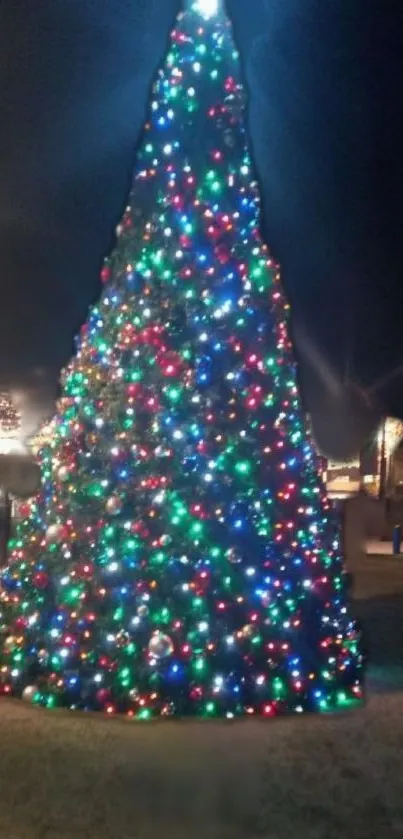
{"points": [[85, 570], [185, 241], [170, 363], [25, 510], [222, 254], [105, 274], [102, 696], [41, 580], [20, 624]]}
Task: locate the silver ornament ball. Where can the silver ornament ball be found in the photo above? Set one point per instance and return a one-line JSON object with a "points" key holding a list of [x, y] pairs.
{"points": [[114, 505], [29, 693], [63, 473], [160, 645], [233, 556], [134, 694], [54, 533], [43, 656], [9, 644]]}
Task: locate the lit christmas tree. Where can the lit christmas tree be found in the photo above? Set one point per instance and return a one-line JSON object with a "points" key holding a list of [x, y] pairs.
{"points": [[181, 558], [10, 420], [10, 424]]}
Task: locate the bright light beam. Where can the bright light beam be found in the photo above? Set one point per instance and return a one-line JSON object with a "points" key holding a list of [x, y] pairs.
{"points": [[207, 8]]}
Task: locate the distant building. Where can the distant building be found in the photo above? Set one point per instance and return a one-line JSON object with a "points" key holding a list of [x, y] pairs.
{"points": [[377, 469]]}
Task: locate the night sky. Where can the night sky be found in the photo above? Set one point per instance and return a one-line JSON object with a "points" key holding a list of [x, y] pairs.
{"points": [[326, 120]]}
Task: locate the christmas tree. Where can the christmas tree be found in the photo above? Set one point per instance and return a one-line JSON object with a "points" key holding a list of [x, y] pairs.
{"points": [[182, 557], [10, 419], [10, 425]]}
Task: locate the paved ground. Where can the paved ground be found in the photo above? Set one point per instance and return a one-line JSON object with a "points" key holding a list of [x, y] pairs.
{"points": [[83, 777], [66, 777]]}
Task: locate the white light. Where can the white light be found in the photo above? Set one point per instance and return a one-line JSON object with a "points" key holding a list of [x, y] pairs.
{"points": [[113, 566], [208, 8]]}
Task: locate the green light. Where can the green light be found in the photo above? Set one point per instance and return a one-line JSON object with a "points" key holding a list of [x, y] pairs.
{"points": [[125, 673], [279, 687], [174, 394], [196, 529], [198, 602], [144, 714], [244, 467]]}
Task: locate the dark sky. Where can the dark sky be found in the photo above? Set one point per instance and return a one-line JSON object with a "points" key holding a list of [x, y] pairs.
{"points": [[327, 126]]}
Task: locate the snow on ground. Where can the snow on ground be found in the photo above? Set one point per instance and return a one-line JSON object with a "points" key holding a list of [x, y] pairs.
{"points": [[78, 776], [68, 776]]}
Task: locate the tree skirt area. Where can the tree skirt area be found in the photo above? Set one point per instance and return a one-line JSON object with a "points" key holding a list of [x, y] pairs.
{"points": [[75, 775]]}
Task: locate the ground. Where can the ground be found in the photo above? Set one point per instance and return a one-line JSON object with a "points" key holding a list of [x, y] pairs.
{"points": [[66, 776]]}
